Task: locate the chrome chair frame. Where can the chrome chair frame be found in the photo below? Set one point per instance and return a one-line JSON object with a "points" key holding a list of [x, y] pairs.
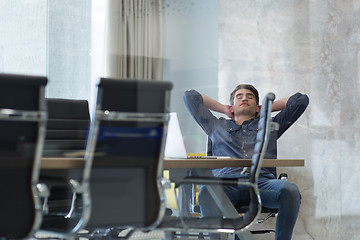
{"points": [[117, 116], [78, 187], [142, 117], [40, 116], [38, 190], [67, 127]]}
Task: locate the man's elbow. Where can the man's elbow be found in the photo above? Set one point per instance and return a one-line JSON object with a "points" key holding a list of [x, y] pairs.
{"points": [[191, 96], [186, 95], [303, 101]]}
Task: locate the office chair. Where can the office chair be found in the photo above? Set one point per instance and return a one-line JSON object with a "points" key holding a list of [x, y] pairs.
{"points": [[127, 138], [233, 222], [269, 212], [192, 191], [22, 131], [66, 134]]}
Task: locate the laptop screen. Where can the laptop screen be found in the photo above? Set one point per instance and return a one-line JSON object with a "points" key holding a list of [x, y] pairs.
{"points": [[174, 147]]}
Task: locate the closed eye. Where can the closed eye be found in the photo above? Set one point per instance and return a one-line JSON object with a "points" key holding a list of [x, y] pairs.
{"points": [[248, 96]]}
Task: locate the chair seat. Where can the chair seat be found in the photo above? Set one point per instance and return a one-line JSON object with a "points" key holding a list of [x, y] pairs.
{"points": [[243, 209], [59, 224]]}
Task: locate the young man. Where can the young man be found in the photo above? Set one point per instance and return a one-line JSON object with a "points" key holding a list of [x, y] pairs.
{"points": [[236, 136]]}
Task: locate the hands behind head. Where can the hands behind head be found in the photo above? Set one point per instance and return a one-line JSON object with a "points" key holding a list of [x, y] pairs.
{"points": [[229, 111]]}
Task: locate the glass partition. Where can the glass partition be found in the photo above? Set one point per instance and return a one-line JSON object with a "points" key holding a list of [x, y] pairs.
{"points": [[211, 46]]}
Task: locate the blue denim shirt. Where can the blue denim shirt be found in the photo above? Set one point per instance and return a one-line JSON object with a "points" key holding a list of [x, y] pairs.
{"points": [[238, 141]]}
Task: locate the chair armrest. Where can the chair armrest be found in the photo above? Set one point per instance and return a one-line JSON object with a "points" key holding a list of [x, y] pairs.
{"points": [[44, 193], [216, 181], [165, 183]]}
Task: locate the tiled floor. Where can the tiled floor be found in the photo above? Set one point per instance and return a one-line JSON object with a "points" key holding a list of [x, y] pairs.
{"points": [[159, 235], [151, 235]]}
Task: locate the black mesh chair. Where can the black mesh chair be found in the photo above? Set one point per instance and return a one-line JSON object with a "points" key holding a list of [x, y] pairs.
{"points": [[66, 134], [22, 131], [128, 136], [232, 221], [67, 127]]}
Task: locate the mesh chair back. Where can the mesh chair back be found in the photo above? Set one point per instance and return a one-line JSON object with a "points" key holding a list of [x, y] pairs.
{"points": [[22, 129], [262, 139], [67, 127], [129, 136]]}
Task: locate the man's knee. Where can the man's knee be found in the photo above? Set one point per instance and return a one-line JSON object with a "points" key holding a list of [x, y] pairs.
{"points": [[290, 192]]}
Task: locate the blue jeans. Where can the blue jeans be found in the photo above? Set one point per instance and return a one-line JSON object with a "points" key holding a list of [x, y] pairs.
{"points": [[274, 193]]}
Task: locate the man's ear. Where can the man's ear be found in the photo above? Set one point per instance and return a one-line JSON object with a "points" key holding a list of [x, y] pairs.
{"points": [[258, 111], [231, 108]]}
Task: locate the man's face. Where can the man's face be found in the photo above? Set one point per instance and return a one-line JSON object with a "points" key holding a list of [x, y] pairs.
{"points": [[245, 103]]}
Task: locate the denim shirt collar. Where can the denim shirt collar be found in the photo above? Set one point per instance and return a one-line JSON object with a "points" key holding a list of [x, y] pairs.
{"points": [[251, 124]]}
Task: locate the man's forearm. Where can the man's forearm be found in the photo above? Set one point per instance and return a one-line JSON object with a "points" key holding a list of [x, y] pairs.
{"points": [[280, 104], [213, 104]]}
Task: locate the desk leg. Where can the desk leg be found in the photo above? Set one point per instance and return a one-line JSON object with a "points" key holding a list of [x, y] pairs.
{"points": [[184, 202], [224, 203]]}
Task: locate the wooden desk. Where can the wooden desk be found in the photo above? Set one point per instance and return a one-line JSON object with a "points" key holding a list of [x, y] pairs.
{"points": [[61, 163], [229, 162], [66, 163]]}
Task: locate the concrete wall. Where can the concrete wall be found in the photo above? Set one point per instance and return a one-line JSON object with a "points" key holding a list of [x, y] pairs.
{"points": [[312, 47]]}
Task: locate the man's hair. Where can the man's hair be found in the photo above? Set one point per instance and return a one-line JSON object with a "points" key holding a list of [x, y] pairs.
{"points": [[244, 86]]}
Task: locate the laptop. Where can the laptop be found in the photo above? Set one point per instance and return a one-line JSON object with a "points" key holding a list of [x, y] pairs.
{"points": [[174, 146]]}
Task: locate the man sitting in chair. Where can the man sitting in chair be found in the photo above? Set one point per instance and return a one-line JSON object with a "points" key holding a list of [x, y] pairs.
{"points": [[236, 137]]}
